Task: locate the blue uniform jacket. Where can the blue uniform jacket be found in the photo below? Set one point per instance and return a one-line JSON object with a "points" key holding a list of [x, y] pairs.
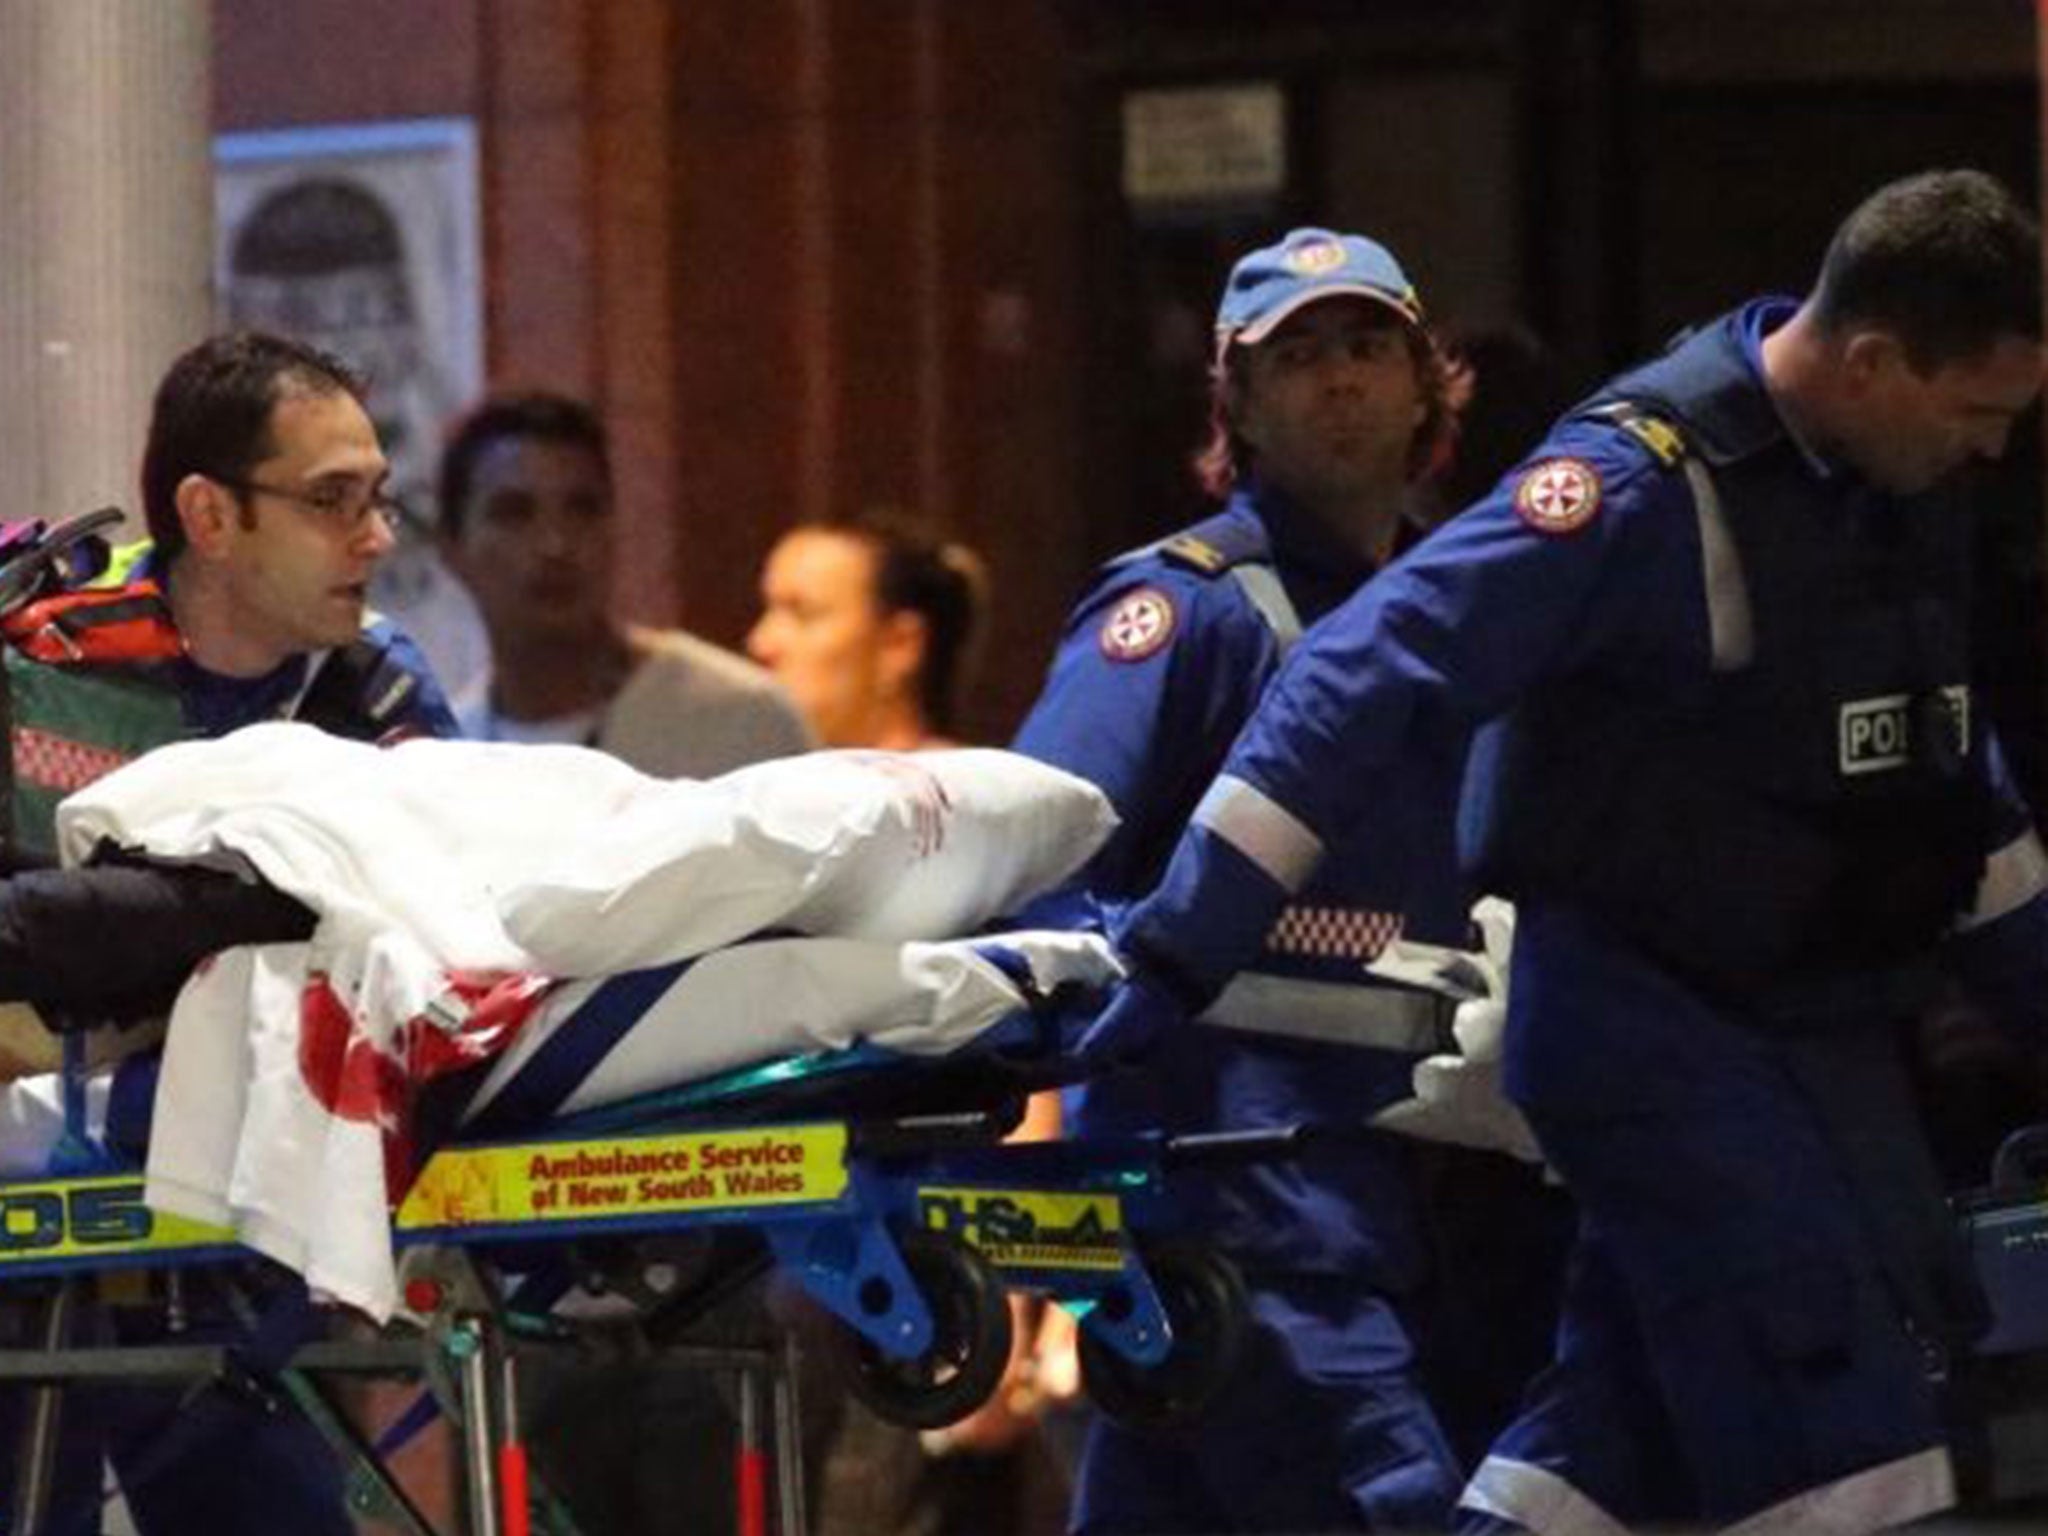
{"points": [[215, 704], [1159, 667], [1586, 557], [393, 683]]}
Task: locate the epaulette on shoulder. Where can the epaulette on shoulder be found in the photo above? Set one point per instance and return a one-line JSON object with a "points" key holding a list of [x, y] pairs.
{"points": [[1196, 552], [1210, 548], [1656, 433]]}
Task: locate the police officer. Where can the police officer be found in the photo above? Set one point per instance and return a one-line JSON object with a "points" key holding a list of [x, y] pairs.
{"points": [[264, 488], [1329, 399], [1741, 795]]}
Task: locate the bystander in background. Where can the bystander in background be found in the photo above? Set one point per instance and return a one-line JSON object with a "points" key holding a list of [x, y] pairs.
{"points": [[526, 497]]}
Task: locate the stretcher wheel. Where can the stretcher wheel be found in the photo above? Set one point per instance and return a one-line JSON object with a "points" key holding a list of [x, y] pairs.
{"points": [[1208, 1311], [970, 1340]]}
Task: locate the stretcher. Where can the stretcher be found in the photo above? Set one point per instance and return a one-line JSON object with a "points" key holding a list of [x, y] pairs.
{"points": [[877, 1185], [876, 1182]]}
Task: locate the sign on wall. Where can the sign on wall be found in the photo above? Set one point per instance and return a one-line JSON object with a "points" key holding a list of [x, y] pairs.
{"points": [[362, 239], [1205, 144]]}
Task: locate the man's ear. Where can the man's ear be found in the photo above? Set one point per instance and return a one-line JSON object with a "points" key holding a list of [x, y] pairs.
{"points": [[208, 512], [1869, 357]]}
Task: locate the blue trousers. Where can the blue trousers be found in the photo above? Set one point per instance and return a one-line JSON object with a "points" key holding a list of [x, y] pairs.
{"points": [[1731, 1341], [1324, 1429]]}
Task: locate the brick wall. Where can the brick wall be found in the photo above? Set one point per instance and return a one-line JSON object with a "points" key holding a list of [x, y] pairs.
{"points": [[810, 258]]}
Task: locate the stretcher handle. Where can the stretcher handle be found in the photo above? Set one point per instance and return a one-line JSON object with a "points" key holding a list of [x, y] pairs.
{"points": [[924, 1133], [1201, 1147]]}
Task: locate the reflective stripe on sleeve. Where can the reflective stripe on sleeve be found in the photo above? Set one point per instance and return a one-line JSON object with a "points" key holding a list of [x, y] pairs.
{"points": [[2013, 876], [1334, 933], [1261, 829], [1875, 1499], [1537, 1499]]}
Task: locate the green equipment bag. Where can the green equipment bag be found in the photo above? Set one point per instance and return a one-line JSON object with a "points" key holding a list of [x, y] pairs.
{"points": [[66, 727]]}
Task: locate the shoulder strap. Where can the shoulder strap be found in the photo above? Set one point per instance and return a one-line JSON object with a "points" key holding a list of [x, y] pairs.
{"points": [[356, 690], [1730, 623], [1261, 586]]}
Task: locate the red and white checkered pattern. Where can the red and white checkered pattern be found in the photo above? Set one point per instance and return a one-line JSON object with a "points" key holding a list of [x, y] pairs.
{"points": [[49, 761], [1334, 933]]}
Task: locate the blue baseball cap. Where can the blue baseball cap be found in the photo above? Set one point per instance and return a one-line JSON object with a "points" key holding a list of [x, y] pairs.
{"points": [[1309, 265]]}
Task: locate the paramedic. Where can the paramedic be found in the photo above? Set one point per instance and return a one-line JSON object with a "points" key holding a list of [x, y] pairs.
{"points": [[1328, 404], [264, 489], [1740, 793]]}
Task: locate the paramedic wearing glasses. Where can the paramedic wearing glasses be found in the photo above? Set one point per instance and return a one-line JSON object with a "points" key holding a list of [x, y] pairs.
{"points": [[1328, 402], [268, 511], [1741, 796], [264, 488]]}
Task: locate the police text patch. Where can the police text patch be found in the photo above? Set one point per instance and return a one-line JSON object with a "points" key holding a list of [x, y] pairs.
{"points": [[1558, 495], [1876, 734], [1138, 626]]}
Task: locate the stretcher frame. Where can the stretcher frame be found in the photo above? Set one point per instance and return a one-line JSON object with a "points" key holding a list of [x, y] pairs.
{"points": [[867, 1215]]}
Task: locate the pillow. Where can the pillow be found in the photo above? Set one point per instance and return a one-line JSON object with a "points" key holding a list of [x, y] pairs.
{"points": [[871, 845]]}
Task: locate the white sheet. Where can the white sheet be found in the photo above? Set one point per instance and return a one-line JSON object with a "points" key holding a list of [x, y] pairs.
{"points": [[282, 1091]]}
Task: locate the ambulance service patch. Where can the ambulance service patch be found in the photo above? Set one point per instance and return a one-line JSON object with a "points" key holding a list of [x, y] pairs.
{"points": [[1139, 626], [1558, 495], [1312, 258]]}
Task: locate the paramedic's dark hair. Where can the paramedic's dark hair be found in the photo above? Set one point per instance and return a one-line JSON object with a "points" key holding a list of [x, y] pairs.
{"points": [[1947, 261], [534, 414], [946, 584], [212, 413]]}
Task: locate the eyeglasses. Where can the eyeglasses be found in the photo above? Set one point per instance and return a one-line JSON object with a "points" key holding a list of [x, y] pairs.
{"points": [[343, 506]]}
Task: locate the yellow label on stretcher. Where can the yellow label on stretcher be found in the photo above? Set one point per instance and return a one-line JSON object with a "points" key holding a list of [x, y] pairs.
{"points": [[98, 1216], [1029, 1228], [548, 1181]]}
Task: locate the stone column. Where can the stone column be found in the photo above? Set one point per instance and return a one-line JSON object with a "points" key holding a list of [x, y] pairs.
{"points": [[106, 224]]}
